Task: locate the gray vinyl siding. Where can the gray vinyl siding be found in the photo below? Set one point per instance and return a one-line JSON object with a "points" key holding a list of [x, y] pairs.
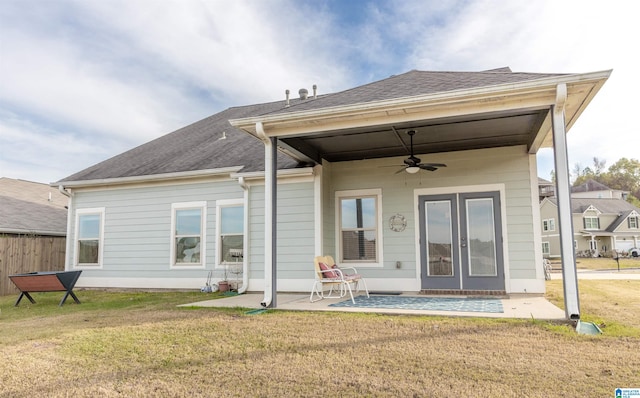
{"points": [[509, 166], [295, 231], [137, 227]]}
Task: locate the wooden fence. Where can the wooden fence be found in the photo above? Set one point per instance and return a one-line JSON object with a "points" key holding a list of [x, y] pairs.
{"points": [[20, 254]]}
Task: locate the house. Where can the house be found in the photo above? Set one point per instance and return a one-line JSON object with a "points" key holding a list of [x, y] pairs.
{"points": [[33, 226], [545, 188], [589, 189], [593, 189], [28, 207], [357, 174], [604, 224]]}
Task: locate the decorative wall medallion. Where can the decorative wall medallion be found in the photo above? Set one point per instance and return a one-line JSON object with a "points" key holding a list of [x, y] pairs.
{"points": [[397, 223]]}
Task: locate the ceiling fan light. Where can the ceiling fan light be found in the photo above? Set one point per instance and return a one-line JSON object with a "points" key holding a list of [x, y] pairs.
{"points": [[412, 169]]}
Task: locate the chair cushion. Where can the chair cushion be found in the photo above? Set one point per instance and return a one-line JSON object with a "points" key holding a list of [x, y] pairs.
{"points": [[330, 274]]}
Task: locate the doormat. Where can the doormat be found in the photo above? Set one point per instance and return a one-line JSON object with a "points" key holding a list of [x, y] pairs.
{"points": [[424, 303]]}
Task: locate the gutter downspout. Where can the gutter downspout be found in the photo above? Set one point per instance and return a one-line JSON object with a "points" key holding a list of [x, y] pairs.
{"points": [[69, 214], [245, 256], [270, 263], [563, 193]]}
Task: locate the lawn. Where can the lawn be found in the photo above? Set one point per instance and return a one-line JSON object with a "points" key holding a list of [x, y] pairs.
{"points": [[602, 263], [142, 345]]}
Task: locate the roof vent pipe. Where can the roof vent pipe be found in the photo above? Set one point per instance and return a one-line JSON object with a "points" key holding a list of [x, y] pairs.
{"points": [[286, 92], [315, 91], [304, 93]]}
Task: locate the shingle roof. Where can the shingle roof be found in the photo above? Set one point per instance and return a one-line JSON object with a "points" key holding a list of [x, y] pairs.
{"points": [[21, 216], [607, 206], [590, 186], [414, 83], [30, 191], [614, 225], [198, 147]]}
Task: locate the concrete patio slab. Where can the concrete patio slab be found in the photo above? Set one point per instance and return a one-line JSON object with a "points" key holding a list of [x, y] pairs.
{"points": [[519, 307]]}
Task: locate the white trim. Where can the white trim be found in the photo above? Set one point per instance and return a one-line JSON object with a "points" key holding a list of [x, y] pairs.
{"points": [[202, 206], [590, 227], [551, 225], [359, 193], [540, 92], [164, 177], [528, 286], [100, 211], [317, 209], [536, 215], [219, 205]]}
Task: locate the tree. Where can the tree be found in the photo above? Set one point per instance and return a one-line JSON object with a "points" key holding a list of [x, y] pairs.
{"points": [[623, 175]]}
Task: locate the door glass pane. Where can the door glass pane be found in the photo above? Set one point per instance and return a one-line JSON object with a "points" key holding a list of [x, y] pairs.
{"points": [[481, 237], [439, 238]]}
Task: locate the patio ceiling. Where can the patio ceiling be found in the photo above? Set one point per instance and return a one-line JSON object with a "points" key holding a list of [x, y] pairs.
{"points": [[484, 117], [447, 134]]}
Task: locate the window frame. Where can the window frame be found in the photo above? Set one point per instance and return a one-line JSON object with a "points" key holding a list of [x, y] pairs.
{"points": [[100, 212], [202, 206], [549, 225], [220, 204], [635, 222], [588, 221], [547, 246], [376, 194]]}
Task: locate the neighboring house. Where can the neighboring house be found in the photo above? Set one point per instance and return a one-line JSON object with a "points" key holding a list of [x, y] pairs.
{"points": [[594, 189], [545, 188], [331, 174], [33, 226], [590, 189], [600, 226], [31, 208]]}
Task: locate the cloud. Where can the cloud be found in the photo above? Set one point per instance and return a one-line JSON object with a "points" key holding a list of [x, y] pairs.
{"points": [[90, 79]]}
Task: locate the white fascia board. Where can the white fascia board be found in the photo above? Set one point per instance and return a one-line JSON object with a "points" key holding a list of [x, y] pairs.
{"points": [[478, 95], [150, 178], [285, 173]]}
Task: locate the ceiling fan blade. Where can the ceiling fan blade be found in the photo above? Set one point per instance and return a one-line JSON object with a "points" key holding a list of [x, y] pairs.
{"points": [[401, 170], [427, 167], [435, 164]]}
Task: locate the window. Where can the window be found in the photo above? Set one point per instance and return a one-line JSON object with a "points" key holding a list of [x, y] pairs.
{"points": [[188, 220], [633, 222], [230, 220], [545, 249], [591, 223], [89, 237], [549, 224], [359, 226]]}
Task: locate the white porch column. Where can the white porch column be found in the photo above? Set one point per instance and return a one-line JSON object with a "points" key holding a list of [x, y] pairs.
{"points": [[270, 187], [563, 193]]}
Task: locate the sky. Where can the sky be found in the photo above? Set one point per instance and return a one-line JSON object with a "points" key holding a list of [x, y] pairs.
{"points": [[82, 81]]}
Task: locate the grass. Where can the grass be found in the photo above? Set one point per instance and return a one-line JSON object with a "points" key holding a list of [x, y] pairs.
{"points": [[142, 345], [601, 263]]}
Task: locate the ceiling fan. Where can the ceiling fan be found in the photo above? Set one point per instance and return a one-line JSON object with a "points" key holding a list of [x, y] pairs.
{"points": [[413, 164]]}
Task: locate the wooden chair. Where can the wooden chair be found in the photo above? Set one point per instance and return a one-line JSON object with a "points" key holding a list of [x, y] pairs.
{"points": [[337, 280]]}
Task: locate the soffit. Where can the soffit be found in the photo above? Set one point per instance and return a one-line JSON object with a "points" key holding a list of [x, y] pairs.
{"points": [[504, 115]]}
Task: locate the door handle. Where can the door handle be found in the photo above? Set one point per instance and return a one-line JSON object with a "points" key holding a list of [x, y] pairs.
{"points": [[463, 242]]}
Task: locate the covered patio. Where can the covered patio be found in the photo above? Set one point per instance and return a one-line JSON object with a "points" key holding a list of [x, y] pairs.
{"points": [[451, 116], [514, 307]]}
